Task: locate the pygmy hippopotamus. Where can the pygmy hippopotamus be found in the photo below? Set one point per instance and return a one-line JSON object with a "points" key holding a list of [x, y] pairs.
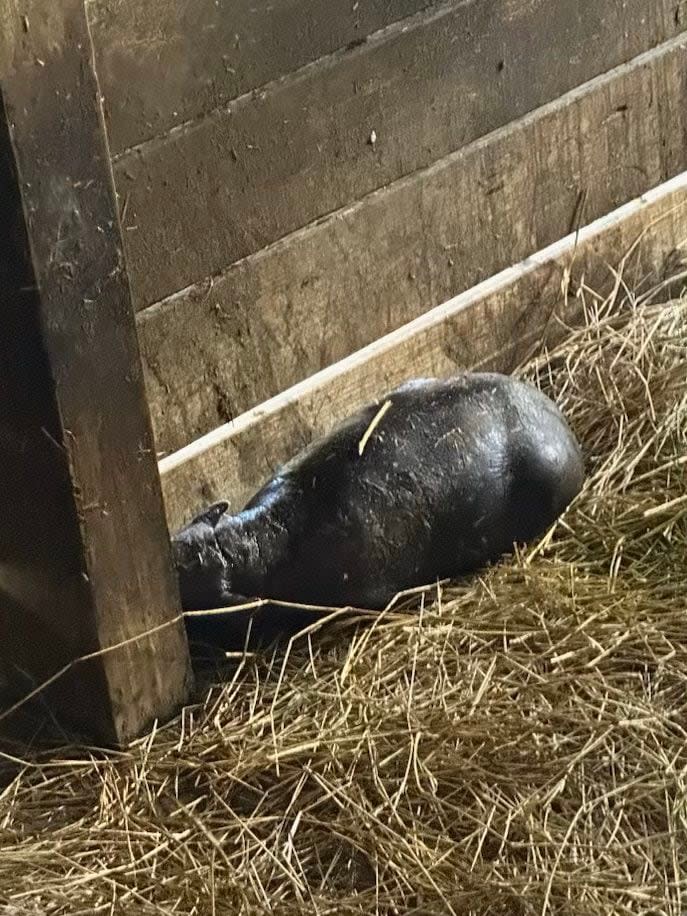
{"points": [[432, 482]]}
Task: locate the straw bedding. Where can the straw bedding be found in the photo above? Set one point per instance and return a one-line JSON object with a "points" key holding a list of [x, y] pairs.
{"points": [[513, 744]]}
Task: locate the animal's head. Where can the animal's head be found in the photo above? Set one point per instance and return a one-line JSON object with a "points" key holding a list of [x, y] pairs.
{"points": [[202, 569]]}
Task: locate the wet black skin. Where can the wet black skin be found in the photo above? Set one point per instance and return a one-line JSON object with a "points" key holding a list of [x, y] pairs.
{"points": [[454, 474]]}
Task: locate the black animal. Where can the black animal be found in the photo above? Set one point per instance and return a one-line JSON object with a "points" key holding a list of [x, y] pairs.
{"points": [[432, 482]]}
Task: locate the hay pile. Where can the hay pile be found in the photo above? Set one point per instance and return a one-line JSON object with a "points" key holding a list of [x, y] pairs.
{"points": [[517, 746]]}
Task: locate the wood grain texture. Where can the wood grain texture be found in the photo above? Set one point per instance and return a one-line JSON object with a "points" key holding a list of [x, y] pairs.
{"points": [[226, 186], [166, 62], [494, 325], [84, 550], [223, 346]]}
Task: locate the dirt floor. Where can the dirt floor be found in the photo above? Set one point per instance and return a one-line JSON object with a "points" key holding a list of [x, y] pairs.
{"points": [[516, 744]]}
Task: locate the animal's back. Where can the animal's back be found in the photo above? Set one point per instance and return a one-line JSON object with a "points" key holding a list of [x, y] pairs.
{"points": [[429, 496]]}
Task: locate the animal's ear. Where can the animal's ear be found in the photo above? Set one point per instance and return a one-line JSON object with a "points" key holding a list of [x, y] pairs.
{"points": [[212, 514]]}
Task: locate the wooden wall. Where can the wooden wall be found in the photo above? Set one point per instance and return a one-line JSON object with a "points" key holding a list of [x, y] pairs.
{"points": [[298, 178], [495, 325]]}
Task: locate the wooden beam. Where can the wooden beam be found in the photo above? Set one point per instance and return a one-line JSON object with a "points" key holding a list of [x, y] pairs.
{"points": [[159, 69], [493, 325], [220, 347], [222, 187], [85, 561]]}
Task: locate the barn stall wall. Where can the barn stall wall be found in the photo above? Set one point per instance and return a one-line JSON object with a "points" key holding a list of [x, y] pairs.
{"points": [[300, 186], [495, 325], [267, 236]]}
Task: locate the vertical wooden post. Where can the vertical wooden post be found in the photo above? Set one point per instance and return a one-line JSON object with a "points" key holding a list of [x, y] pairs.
{"points": [[84, 549]]}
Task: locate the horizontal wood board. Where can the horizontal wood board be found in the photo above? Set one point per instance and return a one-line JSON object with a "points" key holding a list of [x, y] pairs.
{"points": [[494, 325], [223, 187], [223, 346], [166, 62]]}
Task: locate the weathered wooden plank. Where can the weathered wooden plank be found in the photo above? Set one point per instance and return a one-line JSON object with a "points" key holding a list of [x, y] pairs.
{"points": [[84, 550], [225, 187], [166, 62], [493, 325], [271, 320]]}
